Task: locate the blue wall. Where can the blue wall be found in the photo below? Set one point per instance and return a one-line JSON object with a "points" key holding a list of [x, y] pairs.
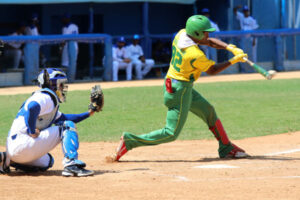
{"points": [[126, 18]]}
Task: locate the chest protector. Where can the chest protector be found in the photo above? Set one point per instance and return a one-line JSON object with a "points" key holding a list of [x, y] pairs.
{"points": [[46, 120]]}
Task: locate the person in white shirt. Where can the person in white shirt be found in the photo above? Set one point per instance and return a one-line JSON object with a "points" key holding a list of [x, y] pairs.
{"points": [[68, 29], [210, 52], [141, 64], [121, 60], [14, 50], [248, 43], [32, 29]]}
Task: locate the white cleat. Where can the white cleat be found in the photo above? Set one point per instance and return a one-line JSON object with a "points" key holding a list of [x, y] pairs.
{"points": [[240, 154]]}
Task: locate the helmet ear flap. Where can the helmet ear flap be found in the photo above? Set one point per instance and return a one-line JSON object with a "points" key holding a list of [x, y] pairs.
{"points": [[46, 78], [200, 35]]}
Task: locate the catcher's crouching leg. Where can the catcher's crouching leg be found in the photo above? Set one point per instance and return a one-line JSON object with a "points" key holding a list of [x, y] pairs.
{"points": [[226, 148], [70, 144], [32, 169]]}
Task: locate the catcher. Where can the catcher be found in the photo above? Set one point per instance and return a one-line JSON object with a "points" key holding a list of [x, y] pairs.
{"points": [[32, 135], [186, 65]]}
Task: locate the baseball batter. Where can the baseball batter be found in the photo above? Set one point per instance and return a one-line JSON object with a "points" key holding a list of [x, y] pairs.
{"points": [[187, 64], [32, 137]]}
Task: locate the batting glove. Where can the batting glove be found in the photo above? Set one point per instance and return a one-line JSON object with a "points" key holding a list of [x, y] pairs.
{"points": [[238, 58], [236, 51]]}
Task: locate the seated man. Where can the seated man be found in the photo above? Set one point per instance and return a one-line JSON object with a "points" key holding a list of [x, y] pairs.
{"points": [[121, 60], [32, 135], [142, 65]]}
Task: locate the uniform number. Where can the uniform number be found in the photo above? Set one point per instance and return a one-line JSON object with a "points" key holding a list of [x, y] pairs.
{"points": [[176, 59]]}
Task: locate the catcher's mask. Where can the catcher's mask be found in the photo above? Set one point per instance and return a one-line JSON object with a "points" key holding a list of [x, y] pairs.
{"points": [[54, 79]]}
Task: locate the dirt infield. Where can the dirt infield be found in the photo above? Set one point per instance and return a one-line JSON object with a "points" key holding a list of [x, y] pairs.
{"points": [[178, 170]]}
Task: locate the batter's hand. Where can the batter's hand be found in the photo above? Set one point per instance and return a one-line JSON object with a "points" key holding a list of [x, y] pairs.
{"points": [[36, 134], [236, 51], [238, 58]]}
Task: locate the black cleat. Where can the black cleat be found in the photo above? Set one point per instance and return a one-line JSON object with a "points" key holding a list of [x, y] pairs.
{"points": [[78, 171], [4, 169]]}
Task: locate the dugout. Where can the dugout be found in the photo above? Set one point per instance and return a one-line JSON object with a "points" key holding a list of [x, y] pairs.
{"points": [[154, 20]]}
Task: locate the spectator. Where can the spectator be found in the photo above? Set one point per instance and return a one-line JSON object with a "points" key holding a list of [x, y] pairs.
{"points": [[68, 29], [33, 29], [121, 60], [70, 48], [248, 43], [13, 51], [142, 65], [211, 53]]}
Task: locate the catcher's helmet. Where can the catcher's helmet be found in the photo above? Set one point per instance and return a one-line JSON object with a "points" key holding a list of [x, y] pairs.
{"points": [[54, 79], [196, 25]]}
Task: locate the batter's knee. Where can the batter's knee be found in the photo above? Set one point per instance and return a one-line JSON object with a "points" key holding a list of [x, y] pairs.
{"points": [[211, 115]]}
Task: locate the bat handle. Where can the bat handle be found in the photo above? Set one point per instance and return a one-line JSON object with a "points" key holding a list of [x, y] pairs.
{"points": [[248, 61]]}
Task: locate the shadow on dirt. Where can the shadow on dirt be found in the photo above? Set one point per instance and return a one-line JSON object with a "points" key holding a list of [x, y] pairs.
{"points": [[216, 159], [56, 173]]}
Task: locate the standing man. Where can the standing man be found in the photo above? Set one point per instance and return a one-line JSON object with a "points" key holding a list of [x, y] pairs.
{"points": [[211, 53], [141, 64], [69, 28], [32, 28], [248, 43], [15, 50], [187, 64], [32, 135], [121, 60], [32, 49]]}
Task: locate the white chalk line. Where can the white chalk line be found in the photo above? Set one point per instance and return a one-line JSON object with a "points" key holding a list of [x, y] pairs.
{"points": [[282, 152], [185, 179], [178, 178], [224, 166], [246, 178], [216, 166]]}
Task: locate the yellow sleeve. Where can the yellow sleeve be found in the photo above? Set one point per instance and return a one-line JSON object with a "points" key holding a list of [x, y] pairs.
{"points": [[203, 63]]}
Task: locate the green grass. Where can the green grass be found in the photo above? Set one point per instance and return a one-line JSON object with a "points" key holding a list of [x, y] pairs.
{"points": [[247, 109]]}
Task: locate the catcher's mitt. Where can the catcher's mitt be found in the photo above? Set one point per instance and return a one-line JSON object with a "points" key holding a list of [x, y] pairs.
{"points": [[97, 99]]}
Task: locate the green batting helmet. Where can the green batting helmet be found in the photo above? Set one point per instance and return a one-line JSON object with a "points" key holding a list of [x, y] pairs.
{"points": [[196, 25]]}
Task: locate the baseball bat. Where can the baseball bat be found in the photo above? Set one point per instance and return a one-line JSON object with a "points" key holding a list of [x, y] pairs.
{"points": [[267, 74]]}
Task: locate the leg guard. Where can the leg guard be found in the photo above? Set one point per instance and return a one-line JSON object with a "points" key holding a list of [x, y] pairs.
{"points": [[70, 145], [30, 169], [70, 142]]}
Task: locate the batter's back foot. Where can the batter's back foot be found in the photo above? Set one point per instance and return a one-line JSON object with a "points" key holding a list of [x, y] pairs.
{"points": [[237, 152]]}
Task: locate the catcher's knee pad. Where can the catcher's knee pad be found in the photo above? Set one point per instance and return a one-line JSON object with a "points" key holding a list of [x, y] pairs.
{"points": [[29, 168], [70, 142]]}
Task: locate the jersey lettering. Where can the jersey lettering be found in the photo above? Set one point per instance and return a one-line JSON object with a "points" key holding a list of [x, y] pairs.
{"points": [[176, 59]]}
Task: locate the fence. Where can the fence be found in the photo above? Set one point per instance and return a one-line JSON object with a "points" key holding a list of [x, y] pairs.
{"points": [[31, 52], [32, 43]]}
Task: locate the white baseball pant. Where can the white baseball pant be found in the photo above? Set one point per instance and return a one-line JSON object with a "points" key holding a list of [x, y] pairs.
{"points": [[122, 65]]}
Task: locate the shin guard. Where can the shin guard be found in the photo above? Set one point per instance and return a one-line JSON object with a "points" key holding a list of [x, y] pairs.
{"points": [[70, 142]]}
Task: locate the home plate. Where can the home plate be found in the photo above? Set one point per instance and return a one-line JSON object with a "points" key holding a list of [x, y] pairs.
{"points": [[217, 166]]}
